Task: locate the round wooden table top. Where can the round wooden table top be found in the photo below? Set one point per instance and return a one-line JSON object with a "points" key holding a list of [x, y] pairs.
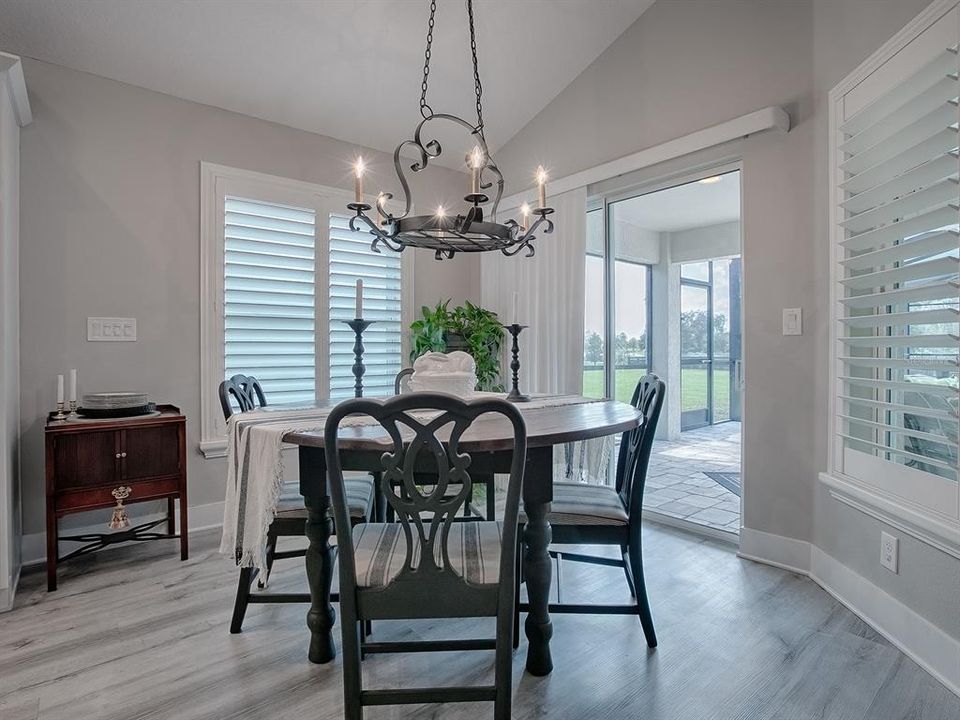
{"points": [[546, 426]]}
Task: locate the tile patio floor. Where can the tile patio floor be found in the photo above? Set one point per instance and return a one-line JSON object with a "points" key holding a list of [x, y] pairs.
{"points": [[677, 487]]}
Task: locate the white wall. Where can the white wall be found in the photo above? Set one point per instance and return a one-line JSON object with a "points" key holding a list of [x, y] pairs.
{"points": [[9, 342], [686, 65], [705, 243], [110, 227]]}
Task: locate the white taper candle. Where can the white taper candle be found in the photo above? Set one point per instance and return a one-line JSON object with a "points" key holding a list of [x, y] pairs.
{"points": [[516, 308], [359, 299], [73, 385], [59, 388]]}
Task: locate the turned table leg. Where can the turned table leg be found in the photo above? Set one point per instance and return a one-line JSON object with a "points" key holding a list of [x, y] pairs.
{"points": [[319, 559], [537, 568]]}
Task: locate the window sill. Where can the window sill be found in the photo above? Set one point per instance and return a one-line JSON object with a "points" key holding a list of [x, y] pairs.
{"points": [[936, 529]]}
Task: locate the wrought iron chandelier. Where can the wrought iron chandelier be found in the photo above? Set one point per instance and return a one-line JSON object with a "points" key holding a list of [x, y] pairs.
{"points": [[445, 232]]}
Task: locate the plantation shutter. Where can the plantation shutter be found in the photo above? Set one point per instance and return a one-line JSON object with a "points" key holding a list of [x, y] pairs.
{"points": [[269, 298], [351, 259], [898, 273]]}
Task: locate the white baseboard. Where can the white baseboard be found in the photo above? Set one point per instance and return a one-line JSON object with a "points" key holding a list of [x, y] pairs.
{"points": [[777, 550], [929, 646], [202, 517], [926, 644], [8, 593]]}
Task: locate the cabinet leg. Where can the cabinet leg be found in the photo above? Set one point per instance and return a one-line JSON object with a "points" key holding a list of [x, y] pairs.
{"points": [[171, 525], [51, 551], [184, 542]]}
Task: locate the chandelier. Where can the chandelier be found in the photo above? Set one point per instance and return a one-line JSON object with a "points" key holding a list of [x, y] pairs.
{"points": [[449, 232]]}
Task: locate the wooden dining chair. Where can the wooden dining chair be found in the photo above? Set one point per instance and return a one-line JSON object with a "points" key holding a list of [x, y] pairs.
{"points": [[400, 387], [601, 515], [290, 515], [427, 565]]}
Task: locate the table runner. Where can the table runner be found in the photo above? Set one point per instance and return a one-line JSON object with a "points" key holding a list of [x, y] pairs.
{"points": [[255, 468]]}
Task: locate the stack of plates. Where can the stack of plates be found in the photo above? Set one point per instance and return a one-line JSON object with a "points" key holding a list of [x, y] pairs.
{"points": [[115, 404]]}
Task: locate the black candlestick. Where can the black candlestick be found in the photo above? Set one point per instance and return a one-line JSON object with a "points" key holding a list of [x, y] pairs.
{"points": [[515, 394], [358, 326]]}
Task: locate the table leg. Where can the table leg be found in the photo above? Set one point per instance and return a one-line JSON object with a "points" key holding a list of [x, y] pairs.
{"points": [[319, 559], [537, 568]]}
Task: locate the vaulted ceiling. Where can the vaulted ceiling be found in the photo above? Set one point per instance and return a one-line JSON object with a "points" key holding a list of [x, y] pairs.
{"points": [[350, 69]]}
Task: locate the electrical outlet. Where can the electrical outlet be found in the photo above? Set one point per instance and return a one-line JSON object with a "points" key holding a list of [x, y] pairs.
{"points": [[889, 551]]}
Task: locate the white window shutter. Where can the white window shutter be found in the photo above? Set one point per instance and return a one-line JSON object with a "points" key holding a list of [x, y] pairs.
{"points": [[898, 277], [269, 297], [351, 258]]}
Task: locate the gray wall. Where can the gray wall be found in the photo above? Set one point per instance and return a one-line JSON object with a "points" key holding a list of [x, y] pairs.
{"points": [[846, 33], [110, 227], [9, 344], [683, 66]]}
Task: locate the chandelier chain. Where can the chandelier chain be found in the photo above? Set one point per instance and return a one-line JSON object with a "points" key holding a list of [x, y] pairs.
{"points": [[425, 109], [478, 88]]}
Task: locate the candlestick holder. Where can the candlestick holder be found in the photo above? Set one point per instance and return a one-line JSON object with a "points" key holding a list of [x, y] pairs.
{"points": [[515, 395], [73, 410], [60, 416], [358, 325]]}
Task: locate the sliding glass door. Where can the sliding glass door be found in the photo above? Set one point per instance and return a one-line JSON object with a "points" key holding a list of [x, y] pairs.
{"points": [[709, 342]]}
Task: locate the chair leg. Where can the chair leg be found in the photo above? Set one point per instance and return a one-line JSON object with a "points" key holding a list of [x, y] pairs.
{"points": [[635, 553], [352, 673], [626, 569], [516, 596], [491, 499], [243, 599], [271, 553]]}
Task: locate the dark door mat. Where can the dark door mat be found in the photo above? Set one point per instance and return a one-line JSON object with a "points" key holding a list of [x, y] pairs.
{"points": [[729, 480]]}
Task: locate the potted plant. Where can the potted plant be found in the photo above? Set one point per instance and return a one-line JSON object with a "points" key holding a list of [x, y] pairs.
{"points": [[468, 327]]}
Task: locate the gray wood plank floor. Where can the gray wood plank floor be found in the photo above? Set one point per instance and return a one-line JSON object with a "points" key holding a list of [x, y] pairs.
{"points": [[134, 633]]}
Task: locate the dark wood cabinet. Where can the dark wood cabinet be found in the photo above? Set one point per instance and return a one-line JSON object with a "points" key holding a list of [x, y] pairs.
{"points": [[87, 461]]}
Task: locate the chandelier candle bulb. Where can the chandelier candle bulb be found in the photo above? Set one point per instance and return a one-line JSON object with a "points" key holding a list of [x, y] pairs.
{"points": [[476, 163], [525, 212], [359, 311], [358, 169], [542, 185]]}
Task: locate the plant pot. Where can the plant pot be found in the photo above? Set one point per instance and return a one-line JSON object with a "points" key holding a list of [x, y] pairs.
{"points": [[455, 341]]}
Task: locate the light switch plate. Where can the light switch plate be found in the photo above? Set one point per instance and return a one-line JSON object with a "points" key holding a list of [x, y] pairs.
{"points": [[100, 329], [792, 321]]}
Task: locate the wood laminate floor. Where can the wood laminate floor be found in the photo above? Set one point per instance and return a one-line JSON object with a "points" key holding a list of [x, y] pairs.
{"points": [[134, 633]]}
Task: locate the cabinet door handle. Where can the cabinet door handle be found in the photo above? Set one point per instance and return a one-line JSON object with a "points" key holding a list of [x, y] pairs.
{"points": [[123, 454], [118, 456]]}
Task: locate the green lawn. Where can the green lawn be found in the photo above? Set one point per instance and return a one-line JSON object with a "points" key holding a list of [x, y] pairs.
{"points": [[693, 388]]}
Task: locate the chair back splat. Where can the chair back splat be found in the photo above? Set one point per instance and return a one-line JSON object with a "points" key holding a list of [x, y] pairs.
{"points": [[247, 392], [425, 432]]}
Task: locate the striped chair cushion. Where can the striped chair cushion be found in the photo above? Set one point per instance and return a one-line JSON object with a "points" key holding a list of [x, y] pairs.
{"points": [[359, 500], [380, 550], [580, 504]]}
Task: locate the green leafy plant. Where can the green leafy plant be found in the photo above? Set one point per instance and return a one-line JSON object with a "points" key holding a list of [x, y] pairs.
{"points": [[467, 327]]}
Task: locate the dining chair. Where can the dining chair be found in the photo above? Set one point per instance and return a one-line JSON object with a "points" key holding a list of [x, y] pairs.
{"points": [[426, 565], [489, 482], [602, 515], [290, 515]]}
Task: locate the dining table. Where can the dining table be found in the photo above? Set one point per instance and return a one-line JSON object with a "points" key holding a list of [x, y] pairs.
{"points": [[489, 441]]}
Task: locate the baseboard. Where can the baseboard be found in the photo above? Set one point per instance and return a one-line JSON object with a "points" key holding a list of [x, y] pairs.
{"points": [[923, 642], [929, 646], [202, 517], [782, 552]]}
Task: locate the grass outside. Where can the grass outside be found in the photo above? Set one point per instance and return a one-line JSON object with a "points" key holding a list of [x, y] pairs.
{"points": [[693, 387]]}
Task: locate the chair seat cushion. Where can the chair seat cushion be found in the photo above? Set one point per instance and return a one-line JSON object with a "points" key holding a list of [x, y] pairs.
{"points": [[380, 550], [580, 504], [359, 500]]}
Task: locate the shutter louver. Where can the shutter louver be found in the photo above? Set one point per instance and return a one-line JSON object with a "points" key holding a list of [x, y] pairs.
{"points": [[269, 297], [898, 272], [351, 259]]}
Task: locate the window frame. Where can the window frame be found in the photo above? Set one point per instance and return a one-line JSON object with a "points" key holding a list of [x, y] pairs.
{"points": [[216, 183], [907, 499]]}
